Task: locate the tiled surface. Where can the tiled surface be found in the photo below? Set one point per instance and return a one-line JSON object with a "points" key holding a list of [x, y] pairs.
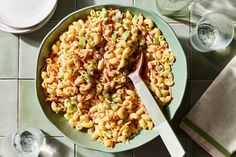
{"points": [[156, 148], [182, 31], [64, 7], [28, 50], [182, 111], [198, 87], [151, 5], [8, 49], [57, 147], [30, 109], [85, 3], [82, 152], [18, 98], [1, 138], [208, 65], [8, 103]]}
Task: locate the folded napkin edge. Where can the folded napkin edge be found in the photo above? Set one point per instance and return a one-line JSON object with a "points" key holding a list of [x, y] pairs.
{"points": [[203, 139]]}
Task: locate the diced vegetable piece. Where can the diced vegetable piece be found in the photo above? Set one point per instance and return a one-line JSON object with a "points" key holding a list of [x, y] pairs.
{"points": [[104, 12], [82, 40], [135, 19], [70, 107], [125, 35], [113, 37], [156, 40]]}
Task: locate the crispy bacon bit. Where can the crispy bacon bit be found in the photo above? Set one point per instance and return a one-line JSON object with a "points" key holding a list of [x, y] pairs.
{"points": [[115, 117], [43, 68]]}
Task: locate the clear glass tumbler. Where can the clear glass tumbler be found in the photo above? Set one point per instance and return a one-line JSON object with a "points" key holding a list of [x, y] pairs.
{"points": [[213, 31], [22, 143]]}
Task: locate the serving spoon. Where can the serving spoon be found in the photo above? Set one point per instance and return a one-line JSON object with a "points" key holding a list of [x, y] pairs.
{"points": [[161, 124]]}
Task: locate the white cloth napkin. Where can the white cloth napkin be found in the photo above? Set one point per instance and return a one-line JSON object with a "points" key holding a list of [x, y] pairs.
{"points": [[212, 121]]}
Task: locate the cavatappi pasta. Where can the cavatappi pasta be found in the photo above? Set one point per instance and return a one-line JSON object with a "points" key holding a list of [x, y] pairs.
{"points": [[85, 76]]}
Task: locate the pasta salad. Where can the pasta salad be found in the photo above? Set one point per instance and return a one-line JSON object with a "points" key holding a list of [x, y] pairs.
{"points": [[85, 75]]}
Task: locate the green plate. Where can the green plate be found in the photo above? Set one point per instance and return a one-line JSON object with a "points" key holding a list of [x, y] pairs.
{"points": [[83, 139]]}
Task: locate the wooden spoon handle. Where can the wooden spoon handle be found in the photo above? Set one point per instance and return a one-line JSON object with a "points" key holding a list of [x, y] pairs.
{"points": [[161, 125]]}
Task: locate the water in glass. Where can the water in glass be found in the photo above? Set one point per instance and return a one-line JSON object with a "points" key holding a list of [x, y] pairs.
{"points": [[213, 31]]}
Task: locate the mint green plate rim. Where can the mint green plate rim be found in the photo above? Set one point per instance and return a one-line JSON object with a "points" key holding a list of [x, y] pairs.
{"points": [[83, 139]]}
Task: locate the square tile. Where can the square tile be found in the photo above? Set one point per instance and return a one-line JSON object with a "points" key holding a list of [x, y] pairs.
{"points": [[1, 138], [86, 3], [184, 108], [64, 7], [156, 148], [82, 152], [31, 113], [151, 5], [198, 87], [8, 55], [8, 112], [57, 147], [207, 65], [29, 44], [182, 32]]}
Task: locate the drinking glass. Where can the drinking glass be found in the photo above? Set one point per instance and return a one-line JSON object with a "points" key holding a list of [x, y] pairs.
{"points": [[22, 143], [213, 31], [177, 8]]}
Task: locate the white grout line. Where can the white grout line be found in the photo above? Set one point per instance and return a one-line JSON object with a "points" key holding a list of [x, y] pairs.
{"points": [[9, 78]]}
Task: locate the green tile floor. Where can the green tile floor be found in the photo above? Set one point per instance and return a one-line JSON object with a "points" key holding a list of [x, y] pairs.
{"points": [[28, 50], [18, 55], [29, 109], [59, 147], [8, 49]]}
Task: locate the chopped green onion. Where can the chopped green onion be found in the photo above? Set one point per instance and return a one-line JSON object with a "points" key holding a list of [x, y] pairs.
{"points": [[70, 107], [113, 37], [73, 98], [82, 40], [125, 35], [114, 107], [111, 133], [104, 12], [135, 19], [156, 40]]}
